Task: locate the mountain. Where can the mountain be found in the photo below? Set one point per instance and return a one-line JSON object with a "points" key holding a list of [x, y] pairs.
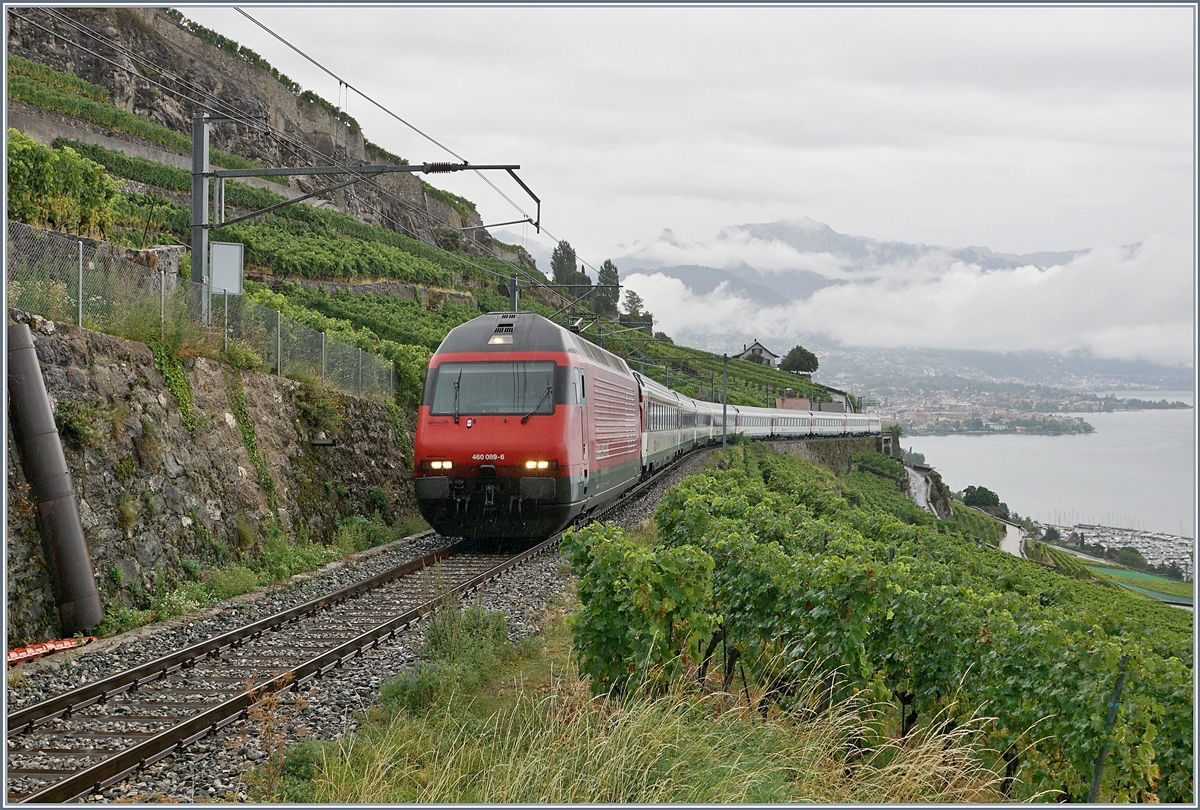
{"points": [[862, 253], [752, 259]]}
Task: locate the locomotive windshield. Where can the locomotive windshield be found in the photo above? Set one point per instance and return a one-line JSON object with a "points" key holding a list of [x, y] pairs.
{"points": [[492, 388]]}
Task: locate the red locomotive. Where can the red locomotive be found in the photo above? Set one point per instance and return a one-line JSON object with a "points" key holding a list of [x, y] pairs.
{"points": [[525, 426]]}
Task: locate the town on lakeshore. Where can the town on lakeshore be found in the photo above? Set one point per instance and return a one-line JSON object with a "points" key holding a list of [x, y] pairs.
{"points": [[974, 408]]}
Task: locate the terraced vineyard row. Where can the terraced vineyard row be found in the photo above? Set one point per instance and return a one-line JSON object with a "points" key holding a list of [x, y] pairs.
{"points": [[769, 561]]}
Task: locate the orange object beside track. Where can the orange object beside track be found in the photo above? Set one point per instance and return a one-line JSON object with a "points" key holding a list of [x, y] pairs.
{"points": [[35, 651]]}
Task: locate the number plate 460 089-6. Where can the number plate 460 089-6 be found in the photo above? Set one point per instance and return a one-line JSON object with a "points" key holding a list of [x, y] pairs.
{"points": [[488, 457]]}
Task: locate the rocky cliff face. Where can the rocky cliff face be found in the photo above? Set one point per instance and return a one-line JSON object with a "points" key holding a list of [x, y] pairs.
{"points": [[199, 71], [152, 495]]}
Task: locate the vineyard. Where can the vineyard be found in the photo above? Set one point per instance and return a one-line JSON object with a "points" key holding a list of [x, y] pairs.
{"points": [[770, 571]]}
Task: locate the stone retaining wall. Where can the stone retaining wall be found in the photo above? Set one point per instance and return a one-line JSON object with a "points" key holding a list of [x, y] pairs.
{"points": [[152, 496]]}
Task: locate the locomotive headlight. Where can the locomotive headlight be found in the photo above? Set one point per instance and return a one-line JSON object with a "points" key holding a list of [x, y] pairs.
{"points": [[541, 465], [437, 465]]}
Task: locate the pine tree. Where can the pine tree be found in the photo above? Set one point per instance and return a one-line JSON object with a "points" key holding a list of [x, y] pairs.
{"points": [[608, 276], [562, 262]]}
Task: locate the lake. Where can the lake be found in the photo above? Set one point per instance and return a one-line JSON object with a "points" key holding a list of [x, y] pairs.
{"points": [[1136, 471]]}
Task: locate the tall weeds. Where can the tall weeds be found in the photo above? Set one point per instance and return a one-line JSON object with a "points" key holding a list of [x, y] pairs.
{"points": [[566, 746]]}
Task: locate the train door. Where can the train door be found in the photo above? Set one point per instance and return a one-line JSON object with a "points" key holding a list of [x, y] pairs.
{"points": [[585, 432]]}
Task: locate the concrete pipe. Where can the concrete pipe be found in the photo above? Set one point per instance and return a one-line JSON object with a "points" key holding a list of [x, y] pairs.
{"points": [[45, 468]]}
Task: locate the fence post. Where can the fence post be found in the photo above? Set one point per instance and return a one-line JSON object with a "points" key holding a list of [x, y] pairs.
{"points": [[322, 358], [724, 400], [360, 372], [278, 343], [162, 304], [80, 320], [1094, 788], [225, 338]]}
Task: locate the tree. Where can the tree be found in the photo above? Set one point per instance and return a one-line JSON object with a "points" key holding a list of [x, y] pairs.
{"points": [[607, 299], [633, 303], [563, 263], [1051, 536], [799, 359], [981, 497], [1131, 557]]}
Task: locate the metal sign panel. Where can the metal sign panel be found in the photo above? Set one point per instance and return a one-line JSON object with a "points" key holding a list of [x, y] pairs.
{"points": [[225, 266]]}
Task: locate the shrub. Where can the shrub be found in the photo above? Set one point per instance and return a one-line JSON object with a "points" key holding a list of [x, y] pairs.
{"points": [[359, 534], [379, 498], [56, 188], [77, 421], [461, 648], [225, 583], [120, 619], [245, 533], [127, 512], [187, 598], [241, 354], [320, 408], [281, 559]]}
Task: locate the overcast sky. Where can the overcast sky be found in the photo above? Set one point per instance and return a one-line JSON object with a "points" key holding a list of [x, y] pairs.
{"points": [[1022, 129]]}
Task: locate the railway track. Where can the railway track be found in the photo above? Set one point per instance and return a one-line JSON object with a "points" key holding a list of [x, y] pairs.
{"points": [[91, 737]]}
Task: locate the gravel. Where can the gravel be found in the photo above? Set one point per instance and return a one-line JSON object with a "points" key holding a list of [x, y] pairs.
{"points": [[213, 769]]}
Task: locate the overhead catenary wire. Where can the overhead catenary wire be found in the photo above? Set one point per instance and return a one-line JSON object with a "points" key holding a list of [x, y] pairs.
{"points": [[207, 100], [349, 87], [415, 129], [430, 138]]}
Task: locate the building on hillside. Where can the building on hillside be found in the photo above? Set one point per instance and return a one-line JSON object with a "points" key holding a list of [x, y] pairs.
{"points": [[757, 350], [793, 403]]}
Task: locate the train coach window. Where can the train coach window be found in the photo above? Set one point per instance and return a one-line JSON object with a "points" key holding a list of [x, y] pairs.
{"points": [[486, 388]]}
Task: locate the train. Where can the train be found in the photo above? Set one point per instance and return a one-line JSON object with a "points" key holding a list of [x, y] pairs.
{"points": [[525, 427]]}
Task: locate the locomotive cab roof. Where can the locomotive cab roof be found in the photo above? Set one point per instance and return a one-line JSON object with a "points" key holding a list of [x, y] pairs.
{"points": [[508, 332]]}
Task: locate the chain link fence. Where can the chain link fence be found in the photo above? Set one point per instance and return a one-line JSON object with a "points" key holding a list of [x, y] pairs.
{"points": [[97, 286]]}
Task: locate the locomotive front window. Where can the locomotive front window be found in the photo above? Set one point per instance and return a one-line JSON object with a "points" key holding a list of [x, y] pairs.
{"points": [[493, 388]]}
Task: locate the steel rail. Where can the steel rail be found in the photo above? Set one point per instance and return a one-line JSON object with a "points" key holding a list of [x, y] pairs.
{"points": [[174, 739], [62, 705]]}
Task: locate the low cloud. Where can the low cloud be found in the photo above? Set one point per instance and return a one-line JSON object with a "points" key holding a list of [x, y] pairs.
{"points": [[730, 248], [1117, 302]]}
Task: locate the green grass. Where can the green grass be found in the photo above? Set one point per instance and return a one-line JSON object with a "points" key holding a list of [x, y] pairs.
{"points": [[502, 724], [1155, 585]]}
